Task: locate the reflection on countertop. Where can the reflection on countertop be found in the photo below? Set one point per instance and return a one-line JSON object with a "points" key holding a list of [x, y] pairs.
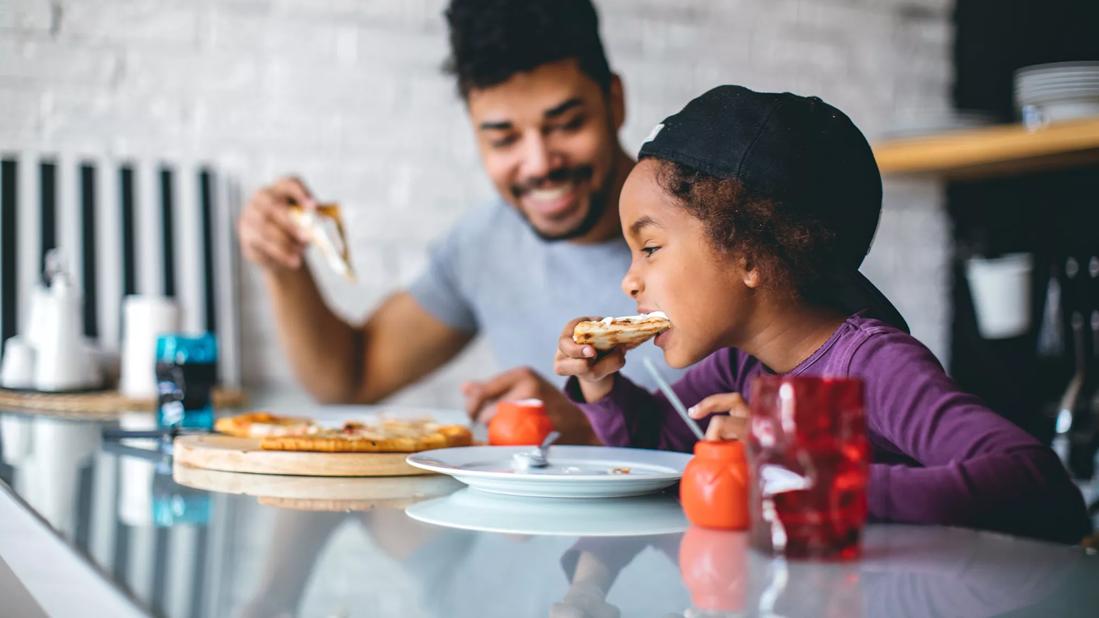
{"points": [[195, 543]]}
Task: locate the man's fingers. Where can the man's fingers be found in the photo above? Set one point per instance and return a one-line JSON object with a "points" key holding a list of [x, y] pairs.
{"points": [[278, 245], [273, 207], [474, 393], [266, 230], [292, 188], [503, 382], [257, 248], [518, 383], [279, 255]]}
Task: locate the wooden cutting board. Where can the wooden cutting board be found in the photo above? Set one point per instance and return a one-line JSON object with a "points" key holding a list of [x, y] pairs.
{"points": [[229, 454], [318, 494]]}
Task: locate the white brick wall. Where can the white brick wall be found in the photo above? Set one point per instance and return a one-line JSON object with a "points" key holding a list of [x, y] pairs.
{"points": [[348, 94]]}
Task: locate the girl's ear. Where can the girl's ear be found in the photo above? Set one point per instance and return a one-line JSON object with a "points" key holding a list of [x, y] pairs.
{"points": [[750, 274]]}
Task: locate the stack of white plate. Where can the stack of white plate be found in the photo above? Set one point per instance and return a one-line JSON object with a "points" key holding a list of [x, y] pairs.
{"points": [[1059, 91]]}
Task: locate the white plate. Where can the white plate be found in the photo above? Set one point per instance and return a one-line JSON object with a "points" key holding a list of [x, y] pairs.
{"points": [[1038, 96], [469, 509], [1085, 66], [574, 471]]}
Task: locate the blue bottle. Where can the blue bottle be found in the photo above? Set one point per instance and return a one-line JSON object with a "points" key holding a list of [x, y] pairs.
{"points": [[186, 371]]}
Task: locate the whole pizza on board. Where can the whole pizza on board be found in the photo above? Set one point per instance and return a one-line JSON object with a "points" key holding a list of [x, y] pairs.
{"points": [[289, 433]]}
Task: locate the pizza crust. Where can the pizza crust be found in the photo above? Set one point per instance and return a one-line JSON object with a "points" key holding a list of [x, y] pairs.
{"points": [[339, 444], [628, 331]]}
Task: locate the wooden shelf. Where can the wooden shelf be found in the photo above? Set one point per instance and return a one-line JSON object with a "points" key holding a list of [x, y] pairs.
{"points": [[993, 151]]}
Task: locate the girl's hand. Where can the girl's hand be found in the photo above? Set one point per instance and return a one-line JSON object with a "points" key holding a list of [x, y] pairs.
{"points": [[586, 363], [732, 420]]}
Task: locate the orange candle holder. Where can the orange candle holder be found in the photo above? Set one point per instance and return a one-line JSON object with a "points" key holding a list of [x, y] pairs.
{"points": [[714, 488], [519, 423]]}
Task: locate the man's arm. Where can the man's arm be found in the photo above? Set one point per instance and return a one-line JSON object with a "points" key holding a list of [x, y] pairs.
{"points": [[525, 383], [340, 363], [336, 361]]}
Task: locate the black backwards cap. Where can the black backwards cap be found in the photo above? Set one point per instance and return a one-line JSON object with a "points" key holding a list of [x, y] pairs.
{"points": [[799, 152]]}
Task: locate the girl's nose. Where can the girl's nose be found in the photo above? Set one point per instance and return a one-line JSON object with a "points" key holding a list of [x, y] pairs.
{"points": [[631, 284]]}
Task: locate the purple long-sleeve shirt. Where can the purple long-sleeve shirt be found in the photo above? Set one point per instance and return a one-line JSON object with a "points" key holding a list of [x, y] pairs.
{"points": [[939, 455]]}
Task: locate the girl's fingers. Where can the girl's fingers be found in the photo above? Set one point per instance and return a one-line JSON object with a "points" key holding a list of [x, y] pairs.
{"points": [[731, 403], [715, 430], [609, 363], [569, 347], [571, 367], [726, 428]]}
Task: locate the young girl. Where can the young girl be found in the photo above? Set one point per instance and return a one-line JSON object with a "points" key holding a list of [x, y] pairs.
{"points": [[748, 215]]}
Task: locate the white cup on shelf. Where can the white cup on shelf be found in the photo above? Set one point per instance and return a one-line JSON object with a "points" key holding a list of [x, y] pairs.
{"points": [[1001, 294], [144, 319]]}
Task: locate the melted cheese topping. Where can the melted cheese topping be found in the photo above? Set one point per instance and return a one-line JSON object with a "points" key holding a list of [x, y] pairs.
{"points": [[635, 319]]}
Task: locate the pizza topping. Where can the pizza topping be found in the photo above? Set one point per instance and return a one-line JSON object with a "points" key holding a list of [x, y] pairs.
{"points": [[634, 319], [259, 424], [302, 434], [627, 331]]}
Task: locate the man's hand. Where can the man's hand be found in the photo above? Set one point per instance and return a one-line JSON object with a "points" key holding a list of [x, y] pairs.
{"points": [[525, 383], [268, 236], [731, 422]]}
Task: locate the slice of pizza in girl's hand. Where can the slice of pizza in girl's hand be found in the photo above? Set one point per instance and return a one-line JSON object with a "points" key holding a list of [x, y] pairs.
{"points": [[629, 331]]}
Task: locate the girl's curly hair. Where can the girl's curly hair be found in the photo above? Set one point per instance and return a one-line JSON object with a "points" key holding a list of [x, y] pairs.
{"points": [[793, 250]]}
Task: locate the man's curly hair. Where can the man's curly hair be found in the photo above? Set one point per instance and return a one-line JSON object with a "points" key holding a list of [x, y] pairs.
{"points": [[492, 40], [795, 251]]}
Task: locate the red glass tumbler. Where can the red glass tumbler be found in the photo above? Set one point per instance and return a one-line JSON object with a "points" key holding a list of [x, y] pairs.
{"points": [[809, 456]]}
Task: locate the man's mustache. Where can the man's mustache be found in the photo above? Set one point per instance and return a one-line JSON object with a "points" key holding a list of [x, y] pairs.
{"points": [[564, 174]]}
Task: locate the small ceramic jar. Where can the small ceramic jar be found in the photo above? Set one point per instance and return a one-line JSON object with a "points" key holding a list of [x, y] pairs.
{"points": [[519, 423], [714, 489]]}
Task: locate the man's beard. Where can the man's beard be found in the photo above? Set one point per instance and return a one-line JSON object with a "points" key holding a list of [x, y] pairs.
{"points": [[597, 201]]}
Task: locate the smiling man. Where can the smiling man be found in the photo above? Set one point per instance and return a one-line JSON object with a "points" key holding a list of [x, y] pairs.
{"points": [[546, 110]]}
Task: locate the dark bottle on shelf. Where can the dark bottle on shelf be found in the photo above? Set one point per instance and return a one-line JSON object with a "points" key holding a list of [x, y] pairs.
{"points": [[186, 372]]}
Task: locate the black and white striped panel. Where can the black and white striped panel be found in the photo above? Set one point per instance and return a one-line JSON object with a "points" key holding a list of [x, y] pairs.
{"points": [[9, 190], [124, 227]]}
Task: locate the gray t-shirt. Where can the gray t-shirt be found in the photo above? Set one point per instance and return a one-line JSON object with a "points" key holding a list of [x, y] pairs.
{"points": [[491, 274]]}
